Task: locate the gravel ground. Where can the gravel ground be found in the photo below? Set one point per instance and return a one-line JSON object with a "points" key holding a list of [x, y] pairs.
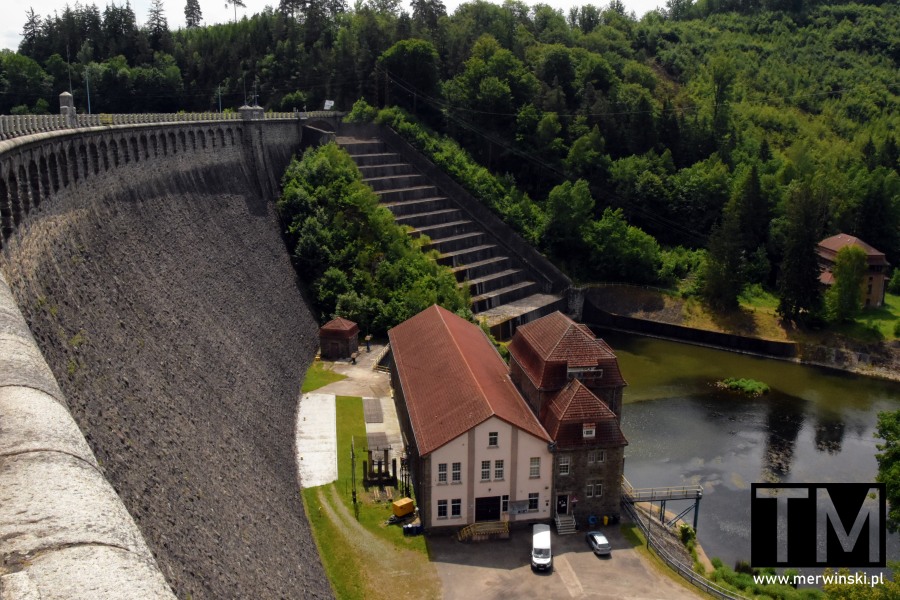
{"points": [[167, 307]]}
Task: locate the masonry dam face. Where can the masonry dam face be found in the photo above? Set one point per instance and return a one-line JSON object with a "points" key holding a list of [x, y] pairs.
{"points": [[157, 285]]}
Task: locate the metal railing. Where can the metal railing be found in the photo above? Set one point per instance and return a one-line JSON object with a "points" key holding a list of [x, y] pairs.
{"points": [[18, 125], [682, 492], [684, 570]]}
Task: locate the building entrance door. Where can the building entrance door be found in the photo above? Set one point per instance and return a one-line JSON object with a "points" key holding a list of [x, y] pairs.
{"points": [[562, 504], [487, 508]]}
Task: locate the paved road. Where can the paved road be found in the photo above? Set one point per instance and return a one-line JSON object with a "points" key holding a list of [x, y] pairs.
{"points": [[502, 569]]}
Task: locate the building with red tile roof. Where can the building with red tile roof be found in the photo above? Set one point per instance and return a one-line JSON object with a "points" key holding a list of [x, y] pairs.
{"points": [[475, 449], [548, 353], [874, 282], [338, 338], [572, 380]]}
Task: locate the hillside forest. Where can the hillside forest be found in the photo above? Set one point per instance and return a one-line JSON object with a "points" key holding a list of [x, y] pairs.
{"points": [[706, 147]]}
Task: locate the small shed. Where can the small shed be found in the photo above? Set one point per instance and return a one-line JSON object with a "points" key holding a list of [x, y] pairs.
{"points": [[338, 338]]}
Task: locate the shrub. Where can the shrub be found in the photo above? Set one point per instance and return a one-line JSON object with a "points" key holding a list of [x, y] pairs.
{"points": [[893, 285], [751, 387]]}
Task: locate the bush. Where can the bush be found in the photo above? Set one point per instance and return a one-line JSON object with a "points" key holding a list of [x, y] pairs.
{"points": [[893, 285], [362, 112], [687, 534], [751, 387]]}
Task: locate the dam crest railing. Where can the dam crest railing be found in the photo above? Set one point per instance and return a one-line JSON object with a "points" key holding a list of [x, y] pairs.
{"points": [[12, 126]]}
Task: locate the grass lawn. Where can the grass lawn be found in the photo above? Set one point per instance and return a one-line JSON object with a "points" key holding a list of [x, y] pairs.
{"points": [[320, 375], [875, 324], [351, 540]]}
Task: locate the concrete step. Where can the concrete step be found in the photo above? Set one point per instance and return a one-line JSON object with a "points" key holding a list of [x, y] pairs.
{"points": [[376, 159], [395, 182], [495, 281], [355, 146], [503, 295], [416, 192], [457, 242], [467, 255], [445, 215], [392, 168], [417, 206], [443, 230], [481, 268], [504, 319]]}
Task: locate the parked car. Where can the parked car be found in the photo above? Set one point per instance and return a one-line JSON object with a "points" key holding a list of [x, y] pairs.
{"points": [[598, 543], [541, 556]]}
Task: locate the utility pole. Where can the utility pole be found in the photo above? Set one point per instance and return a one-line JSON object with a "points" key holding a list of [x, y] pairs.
{"points": [[87, 85]]}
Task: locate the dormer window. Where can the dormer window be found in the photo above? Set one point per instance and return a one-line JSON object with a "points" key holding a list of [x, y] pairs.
{"points": [[594, 373], [589, 430]]}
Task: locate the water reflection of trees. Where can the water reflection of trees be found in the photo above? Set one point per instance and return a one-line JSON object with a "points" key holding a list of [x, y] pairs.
{"points": [[829, 434], [783, 423]]}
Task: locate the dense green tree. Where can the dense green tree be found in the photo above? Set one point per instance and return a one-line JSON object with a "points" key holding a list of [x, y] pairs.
{"points": [[725, 265], [888, 458], [360, 263], [799, 296], [619, 251], [413, 66], [192, 13], [844, 298], [570, 208]]}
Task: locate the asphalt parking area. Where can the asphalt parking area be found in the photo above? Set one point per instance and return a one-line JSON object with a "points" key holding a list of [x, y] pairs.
{"points": [[502, 569]]}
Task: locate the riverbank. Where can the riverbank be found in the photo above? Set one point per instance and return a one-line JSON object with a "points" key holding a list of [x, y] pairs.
{"points": [[652, 312]]}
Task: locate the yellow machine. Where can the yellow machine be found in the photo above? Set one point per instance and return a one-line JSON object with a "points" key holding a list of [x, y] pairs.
{"points": [[403, 507]]}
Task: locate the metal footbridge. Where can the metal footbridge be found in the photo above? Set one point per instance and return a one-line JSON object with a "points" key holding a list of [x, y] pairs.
{"points": [[632, 495]]}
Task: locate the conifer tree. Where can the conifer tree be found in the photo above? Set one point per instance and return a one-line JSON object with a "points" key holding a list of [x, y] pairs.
{"points": [[192, 13]]}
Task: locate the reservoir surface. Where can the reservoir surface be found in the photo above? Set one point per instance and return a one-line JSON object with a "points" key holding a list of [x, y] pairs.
{"points": [[816, 425]]}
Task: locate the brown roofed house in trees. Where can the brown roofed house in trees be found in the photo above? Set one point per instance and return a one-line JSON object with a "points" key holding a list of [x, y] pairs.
{"points": [[874, 282], [338, 338]]}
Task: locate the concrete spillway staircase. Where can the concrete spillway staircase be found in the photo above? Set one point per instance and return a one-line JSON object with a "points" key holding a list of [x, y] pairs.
{"points": [[502, 290]]}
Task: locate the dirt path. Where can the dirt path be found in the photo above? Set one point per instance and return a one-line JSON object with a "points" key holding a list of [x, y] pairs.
{"points": [[389, 572]]}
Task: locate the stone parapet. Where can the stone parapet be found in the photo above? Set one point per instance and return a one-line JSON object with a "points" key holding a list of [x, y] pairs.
{"points": [[64, 533]]}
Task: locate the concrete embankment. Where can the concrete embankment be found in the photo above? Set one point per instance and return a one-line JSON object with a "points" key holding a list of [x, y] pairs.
{"points": [[163, 300]]}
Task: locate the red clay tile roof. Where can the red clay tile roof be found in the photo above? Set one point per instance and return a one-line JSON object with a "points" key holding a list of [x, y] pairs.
{"points": [[574, 406], [452, 379], [829, 247], [340, 324], [549, 345], [338, 328]]}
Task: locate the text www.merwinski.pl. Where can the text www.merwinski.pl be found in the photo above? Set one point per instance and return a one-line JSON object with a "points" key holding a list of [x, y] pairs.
{"points": [[827, 579]]}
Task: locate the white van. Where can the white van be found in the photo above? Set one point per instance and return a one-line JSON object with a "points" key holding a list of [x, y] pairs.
{"points": [[541, 556]]}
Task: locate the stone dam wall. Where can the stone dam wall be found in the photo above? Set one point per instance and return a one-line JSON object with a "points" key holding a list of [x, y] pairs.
{"points": [[149, 269]]}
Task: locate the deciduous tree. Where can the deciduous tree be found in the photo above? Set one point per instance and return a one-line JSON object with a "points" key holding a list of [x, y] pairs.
{"points": [[844, 298]]}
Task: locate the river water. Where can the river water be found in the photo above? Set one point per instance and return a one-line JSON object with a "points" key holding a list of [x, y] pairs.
{"points": [[816, 425]]}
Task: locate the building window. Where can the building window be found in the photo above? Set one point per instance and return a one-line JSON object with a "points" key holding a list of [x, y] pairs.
{"points": [[533, 499], [498, 469], [457, 472], [589, 430], [504, 503], [534, 470], [596, 456], [594, 490], [442, 509], [455, 507], [485, 470], [564, 462], [492, 439], [442, 473]]}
